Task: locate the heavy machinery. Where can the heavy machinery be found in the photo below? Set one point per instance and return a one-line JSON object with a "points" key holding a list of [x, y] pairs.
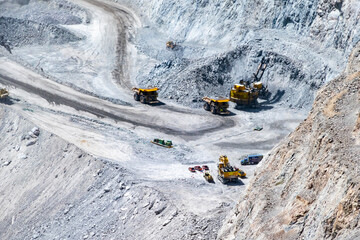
{"points": [[258, 85], [170, 45], [241, 173], [228, 173], [163, 143], [3, 93], [216, 106], [145, 95], [243, 95], [251, 159], [208, 176], [246, 93]]}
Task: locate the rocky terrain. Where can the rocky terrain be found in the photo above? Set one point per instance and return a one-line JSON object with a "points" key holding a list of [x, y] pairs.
{"points": [[308, 186], [307, 43], [53, 190], [76, 159]]}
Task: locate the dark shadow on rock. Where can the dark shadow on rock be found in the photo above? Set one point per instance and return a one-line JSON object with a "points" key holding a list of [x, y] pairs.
{"points": [[276, 98], [7, 101], [237, 183]]}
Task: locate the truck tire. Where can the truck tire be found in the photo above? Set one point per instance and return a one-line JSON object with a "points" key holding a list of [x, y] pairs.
{"points": [[136, 97], [206, 107], [213, 110], [142, 99]]}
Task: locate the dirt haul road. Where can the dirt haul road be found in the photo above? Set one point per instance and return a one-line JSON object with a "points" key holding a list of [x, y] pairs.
{"points": [[126, 23], [175, 121], [122, 132], [139, 115], [58, 94]]}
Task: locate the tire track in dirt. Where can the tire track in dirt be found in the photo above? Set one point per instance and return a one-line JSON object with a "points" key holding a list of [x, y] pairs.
{"points": [[125, 22], [124, 116]]}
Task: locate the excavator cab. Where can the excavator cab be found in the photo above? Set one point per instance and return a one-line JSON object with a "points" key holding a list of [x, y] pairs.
{"points": [[3, 93]]}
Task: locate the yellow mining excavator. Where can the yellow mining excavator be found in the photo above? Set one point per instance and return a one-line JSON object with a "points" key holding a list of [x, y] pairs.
{"points": [[3, 93], [247, 92], [146, 95], [216, 106], [170, 45], [228, 173], [243, 95]]}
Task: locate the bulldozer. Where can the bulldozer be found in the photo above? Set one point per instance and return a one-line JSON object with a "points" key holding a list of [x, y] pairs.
{"points": [[216, 106], [246, 93], [228, 173], [170, 45], [145, 95], [3, 93]]}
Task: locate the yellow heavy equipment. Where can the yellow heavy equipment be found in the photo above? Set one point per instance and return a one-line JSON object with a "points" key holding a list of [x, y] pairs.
{"points": [[208, 176], [146, 95], [228, 173], [244, 95], [216, 106], [4, 93], [247, 92], [170, 44]]}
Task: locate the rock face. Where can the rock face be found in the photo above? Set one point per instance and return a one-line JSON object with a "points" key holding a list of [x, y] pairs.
{"points": [[309, 186], [222, 42], [330, 21]]}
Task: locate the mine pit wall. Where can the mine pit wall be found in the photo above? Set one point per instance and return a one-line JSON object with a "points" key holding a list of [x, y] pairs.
{"points": [[332, 23], [289, 81], [308, 43], [308, 186]]}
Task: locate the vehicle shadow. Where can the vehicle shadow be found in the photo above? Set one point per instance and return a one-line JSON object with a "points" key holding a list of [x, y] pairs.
{"points": [[255, 110], [157, 104], [237, 183], [228, 115]]}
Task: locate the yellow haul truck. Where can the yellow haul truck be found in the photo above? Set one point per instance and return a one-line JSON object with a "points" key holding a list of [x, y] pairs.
{"points": [[216, 106], [148, 95], [228, 173]]}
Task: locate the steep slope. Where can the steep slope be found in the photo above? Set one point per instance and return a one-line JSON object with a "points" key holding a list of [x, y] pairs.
{"points": [[308, 187], [221, 42]]}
